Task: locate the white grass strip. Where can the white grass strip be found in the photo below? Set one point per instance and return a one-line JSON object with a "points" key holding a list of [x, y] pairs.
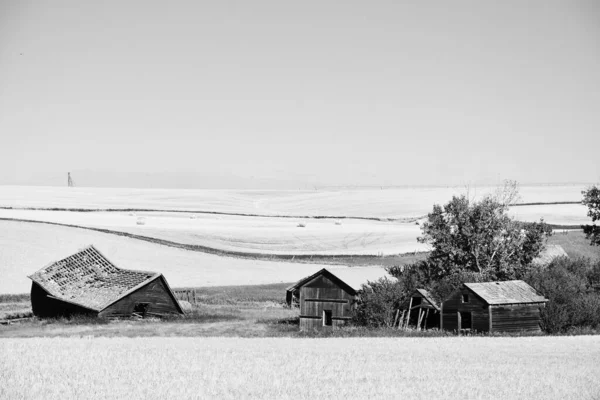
{"points": [[285, 368]]}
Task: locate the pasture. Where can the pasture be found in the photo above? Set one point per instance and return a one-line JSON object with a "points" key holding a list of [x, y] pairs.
{"points": [[409, 368]]}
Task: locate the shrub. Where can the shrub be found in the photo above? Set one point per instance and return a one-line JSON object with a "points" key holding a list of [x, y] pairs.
{"points": [[378, 303], [571, 288]]}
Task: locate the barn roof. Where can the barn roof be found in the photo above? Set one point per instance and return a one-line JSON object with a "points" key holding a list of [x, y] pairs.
{"points": [[89, 279], [354, 277], [427, 296], [507, 292]]}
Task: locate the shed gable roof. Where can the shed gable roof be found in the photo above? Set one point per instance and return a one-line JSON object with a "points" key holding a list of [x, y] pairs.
{"points": [[427, 296], [353, 277], [507, 292], [89, 279]]}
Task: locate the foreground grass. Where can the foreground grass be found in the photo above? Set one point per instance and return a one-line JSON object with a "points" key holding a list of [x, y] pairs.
{"points": [[410, 368]]}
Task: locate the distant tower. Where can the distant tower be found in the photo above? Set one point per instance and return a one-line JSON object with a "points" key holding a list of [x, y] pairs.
{"points": [[70, 182]]}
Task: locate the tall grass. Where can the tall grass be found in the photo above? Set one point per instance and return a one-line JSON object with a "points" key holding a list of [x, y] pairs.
{"points": [[232, 368]]}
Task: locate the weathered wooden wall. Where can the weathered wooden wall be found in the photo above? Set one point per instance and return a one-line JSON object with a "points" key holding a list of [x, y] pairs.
{"points": [[516, 317], [476, 306], [324, 294], [154, 292], [46, 307]]}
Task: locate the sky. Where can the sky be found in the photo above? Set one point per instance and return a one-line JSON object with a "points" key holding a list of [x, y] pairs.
{"points": [[298, 94]]}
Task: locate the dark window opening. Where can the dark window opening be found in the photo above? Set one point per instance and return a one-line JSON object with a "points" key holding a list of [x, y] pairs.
{"points": [[416, 301], [327, 318], [141, 308], [465, 298], [465, 320]]}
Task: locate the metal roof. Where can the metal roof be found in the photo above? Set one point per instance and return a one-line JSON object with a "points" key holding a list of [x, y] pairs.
{"points": [[89, 279], [507, 292], [354, 277]]}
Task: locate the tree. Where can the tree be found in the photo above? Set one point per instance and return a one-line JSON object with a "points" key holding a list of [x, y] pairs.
{"points": [[591, 198], [479, 237]]}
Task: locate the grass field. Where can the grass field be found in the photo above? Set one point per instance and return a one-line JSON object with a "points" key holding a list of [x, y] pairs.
{"points": [[266, 235], [285, 368], [25, 248], [386, 203]]}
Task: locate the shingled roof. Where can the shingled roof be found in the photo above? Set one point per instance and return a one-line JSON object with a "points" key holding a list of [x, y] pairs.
{"points": [[90, 280], [507, 292]]}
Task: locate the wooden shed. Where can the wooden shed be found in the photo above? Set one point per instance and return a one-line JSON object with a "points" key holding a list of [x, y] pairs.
{"points": [[326, 298], [88, 283], [509, 306], [421, 311]]}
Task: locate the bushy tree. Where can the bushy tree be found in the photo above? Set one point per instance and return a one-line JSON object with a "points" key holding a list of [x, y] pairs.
{"points": [[571, 286], [479, 237], [377, 303], [591, 198]]}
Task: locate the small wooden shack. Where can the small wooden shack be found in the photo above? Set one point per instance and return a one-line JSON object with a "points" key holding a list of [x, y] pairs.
{"points": [[421, 311], [509, 306], [88, 283], [326, 298]]}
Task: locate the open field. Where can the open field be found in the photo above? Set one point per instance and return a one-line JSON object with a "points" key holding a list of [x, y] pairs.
{"points": [[265, 235], [556, 214], [408, 368], [29, 247], [387, 203]]}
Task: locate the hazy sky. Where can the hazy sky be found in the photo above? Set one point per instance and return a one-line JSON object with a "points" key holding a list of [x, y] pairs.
{"points": [[290, 94]]}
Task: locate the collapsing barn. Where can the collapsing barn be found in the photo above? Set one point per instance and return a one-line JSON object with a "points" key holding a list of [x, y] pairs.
{"points": [[88, 283], [420, 310], [509, 306], [326, 298]]}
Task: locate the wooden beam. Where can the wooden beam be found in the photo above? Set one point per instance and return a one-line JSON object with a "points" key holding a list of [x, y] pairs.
{"points": [[419, 320], [396, 318], [490, 312], [401, 320], [426, 315], [459, 319], [408, 314]]}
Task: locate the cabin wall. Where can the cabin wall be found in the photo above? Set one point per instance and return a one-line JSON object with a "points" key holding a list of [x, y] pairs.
{"points": [[323, 294], [155, 293], [476, 306], [517, 317], [46, 307]]}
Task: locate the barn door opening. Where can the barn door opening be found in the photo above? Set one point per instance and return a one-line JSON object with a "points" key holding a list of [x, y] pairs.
{"points": [[466, 320], [327, 318], [141, 308]]}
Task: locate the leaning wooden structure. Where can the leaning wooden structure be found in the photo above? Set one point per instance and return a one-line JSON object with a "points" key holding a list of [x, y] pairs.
{"points": [[87, 283], [509, 306], [420, 311], [327, 298]]}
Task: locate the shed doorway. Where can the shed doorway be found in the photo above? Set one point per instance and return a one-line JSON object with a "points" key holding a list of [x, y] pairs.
{"points": [[327, 318], [465, 320]]}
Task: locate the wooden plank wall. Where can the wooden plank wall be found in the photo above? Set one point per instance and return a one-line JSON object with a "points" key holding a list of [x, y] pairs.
{"points": [[476, 306], [323, 294], [154, 292], [188, 295], [516, 317], [46, 307]]}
